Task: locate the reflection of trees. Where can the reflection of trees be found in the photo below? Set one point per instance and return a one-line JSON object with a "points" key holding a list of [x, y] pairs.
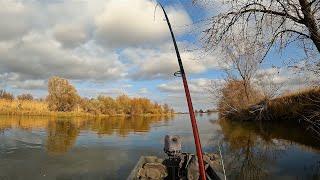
{"points": [[248, 156], [123, 126], [251, 148], [27, 122], [62, 135]]}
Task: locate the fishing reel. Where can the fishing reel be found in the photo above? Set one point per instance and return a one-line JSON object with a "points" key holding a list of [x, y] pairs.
{"points": [[172, 146], [177, 74]]}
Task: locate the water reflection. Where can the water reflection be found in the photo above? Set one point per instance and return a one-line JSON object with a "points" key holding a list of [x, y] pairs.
{"points": [[62, 133], [253, 150], [123, 126], [108, 148]]}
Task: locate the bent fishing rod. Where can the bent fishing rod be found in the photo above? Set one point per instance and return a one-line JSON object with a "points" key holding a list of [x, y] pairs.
{"points": [[189, 101]]}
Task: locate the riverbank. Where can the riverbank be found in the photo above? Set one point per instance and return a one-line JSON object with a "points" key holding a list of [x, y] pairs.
{"points": [[40, 108], [302, 108]]}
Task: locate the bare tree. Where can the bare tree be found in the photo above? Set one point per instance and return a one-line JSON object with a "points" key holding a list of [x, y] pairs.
{"points": [[267, 82], [243, 60], [272, 22]]}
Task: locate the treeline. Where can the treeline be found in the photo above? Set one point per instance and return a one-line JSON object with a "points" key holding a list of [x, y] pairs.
{"points": [[123, 105], [9, 96], [63, 97]]}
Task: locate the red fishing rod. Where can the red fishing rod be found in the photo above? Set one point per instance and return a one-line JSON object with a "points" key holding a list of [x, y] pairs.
{"points": [[189, 101]]}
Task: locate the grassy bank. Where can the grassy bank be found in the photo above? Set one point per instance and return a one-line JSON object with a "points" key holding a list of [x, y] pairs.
{"points": [[64, 100], [302, 107], [40, 108]]}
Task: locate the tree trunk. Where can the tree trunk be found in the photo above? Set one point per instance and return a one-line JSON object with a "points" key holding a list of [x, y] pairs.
{"points": [[310, 23]]}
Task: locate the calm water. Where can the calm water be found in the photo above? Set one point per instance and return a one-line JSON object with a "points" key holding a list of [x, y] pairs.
{"points": [[44, 148]]}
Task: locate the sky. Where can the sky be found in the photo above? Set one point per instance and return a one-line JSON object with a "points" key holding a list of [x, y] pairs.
{"points": [[111, 47]]}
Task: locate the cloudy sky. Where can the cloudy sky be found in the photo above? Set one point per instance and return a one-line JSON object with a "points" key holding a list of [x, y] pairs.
{"points": [[108, 47]]}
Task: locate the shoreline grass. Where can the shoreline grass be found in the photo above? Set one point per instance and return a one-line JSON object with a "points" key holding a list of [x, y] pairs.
{"points": [[300, 107], [40, 108]]}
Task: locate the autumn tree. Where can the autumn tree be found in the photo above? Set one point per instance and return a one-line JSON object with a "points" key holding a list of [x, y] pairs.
{"points": [[92, 106], [25, 97], [166, 109], [121, 105], [232, 97], [62, 95], [124, 103], [108, 105], [136, 107]]}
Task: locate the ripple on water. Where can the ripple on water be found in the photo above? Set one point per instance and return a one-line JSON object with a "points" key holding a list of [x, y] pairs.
{"points": [[14, 139]]}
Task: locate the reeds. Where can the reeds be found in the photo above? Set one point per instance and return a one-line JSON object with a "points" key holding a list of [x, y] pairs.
{"points": [[17, 107]]}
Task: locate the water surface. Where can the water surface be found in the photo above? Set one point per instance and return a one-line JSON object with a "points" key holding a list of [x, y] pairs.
{"points": [[79, 148]]}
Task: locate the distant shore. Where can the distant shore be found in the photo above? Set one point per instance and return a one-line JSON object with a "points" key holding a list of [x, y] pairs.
{"points": [[40, 108]]}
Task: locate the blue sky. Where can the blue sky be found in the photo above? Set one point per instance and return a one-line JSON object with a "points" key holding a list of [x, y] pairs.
{"points": [[111, 47]]}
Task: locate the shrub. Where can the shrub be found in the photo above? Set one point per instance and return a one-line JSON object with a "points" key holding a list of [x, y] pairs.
{"points": [[25, 97], [234, 98], [6, 95], [62, 95], [108, 105], [125, 104]]}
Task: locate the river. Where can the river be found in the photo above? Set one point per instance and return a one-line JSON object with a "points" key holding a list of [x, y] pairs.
{"points": [[80, 148]]}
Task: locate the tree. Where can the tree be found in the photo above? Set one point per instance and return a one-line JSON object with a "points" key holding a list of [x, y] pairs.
{"points": [[166, 109], [6, 95], [108, 105], [233, 98], [266, 81], [125, 103], [62, 95], [243, 60], [272, 22], [25, 97], [136, 107]]}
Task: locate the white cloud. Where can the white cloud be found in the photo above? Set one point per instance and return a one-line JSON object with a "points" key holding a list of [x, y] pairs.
{"points": [[38, 56], [143, 91], [96, 91], [132, 22], [15, 19], [154, 63], [199, 91], [28, 84], [195, 86], [70, 35]]}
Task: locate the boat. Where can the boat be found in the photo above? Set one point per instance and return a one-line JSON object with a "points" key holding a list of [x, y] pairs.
{"points": [[177, 165]]}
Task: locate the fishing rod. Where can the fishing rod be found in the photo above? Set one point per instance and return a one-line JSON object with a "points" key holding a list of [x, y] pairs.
{"points": [[189, 101]]}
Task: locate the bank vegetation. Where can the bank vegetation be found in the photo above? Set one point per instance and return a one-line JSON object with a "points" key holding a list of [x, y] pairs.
{"points": [[64, 100]]}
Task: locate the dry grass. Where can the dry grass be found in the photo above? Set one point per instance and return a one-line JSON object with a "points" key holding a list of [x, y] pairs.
{"points": [[17, 107], [32, 108], [234, 98], [40, 108], [301, 107]]}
